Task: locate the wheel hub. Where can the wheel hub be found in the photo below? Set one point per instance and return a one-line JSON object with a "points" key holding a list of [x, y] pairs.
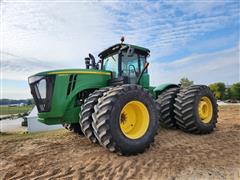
{"points": [[205, 109], [134, 119], [123, 119]]}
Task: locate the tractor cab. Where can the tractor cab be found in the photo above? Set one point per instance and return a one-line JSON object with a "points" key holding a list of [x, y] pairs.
{"points": [[128, 64]]}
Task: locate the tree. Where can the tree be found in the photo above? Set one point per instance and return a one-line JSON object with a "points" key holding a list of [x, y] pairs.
{"points": [[228, 94], [185, 82], [218, 89], [30, 102], [235, 91]]}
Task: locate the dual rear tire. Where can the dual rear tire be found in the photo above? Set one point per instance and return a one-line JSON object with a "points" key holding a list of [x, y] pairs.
{"points": [[193, 109], [165, 104], [196, 110]]}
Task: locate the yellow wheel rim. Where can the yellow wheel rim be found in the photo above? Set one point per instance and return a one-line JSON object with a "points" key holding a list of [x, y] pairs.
{"points": [[205, 109], [134, 119]]}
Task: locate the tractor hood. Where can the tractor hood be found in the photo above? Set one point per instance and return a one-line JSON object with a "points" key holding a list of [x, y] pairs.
{"points": [[47, 88], [72, 71]]}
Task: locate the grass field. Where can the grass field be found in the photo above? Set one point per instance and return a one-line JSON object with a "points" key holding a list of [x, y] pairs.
{"points": [[5, 110]]}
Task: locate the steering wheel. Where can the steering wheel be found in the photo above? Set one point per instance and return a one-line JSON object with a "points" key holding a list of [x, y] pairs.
{"points": [[131, 65]]}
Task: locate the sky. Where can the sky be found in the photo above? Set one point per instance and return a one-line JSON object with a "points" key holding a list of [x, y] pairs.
{"points": [[194, 39]]}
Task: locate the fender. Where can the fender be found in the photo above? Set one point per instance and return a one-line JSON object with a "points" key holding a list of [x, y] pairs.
{"points": [[162, 87]]}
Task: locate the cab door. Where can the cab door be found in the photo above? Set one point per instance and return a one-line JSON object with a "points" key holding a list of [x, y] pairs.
{"points": [[132, 66]]}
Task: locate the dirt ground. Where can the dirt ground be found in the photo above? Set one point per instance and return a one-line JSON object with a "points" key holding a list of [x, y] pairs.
{"points": [[174, 155]]}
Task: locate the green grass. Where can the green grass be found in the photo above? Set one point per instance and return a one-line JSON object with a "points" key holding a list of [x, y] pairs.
{"points": [[4, 110]]}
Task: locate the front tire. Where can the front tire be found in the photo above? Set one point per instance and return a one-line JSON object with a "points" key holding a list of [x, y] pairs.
{"points": [[196, 110], [126, 120], [86, 114]]}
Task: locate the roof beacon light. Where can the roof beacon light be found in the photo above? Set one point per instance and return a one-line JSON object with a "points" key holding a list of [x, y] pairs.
{"points": [[122, 39]]}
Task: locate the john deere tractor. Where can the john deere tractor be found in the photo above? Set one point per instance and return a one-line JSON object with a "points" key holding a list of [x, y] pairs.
{"points": [[112, 103]]}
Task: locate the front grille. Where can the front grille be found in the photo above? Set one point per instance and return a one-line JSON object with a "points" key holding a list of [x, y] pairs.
{"points": [[71, 83], [42, 91]]}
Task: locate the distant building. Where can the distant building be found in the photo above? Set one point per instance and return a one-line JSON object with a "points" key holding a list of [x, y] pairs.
{"points": [[15, 105]]}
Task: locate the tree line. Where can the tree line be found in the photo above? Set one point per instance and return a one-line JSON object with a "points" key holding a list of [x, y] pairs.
{"points": [[220, 90], [13, 101]]}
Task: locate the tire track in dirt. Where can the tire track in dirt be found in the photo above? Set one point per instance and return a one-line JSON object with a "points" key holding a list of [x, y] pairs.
{"points": [[174, 155]]}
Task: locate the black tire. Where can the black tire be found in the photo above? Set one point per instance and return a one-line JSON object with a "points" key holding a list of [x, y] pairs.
{"points": [[186, 110], [165, 104], [107, 120], [73, 127], [86, 114]]}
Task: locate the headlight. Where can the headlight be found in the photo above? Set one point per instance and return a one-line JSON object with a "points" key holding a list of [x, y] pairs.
{"points": [[34, 79]]}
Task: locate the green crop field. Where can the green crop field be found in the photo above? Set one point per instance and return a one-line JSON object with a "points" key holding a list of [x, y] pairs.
{"points": [[5, 110]]}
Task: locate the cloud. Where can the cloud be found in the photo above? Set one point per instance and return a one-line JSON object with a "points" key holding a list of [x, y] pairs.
{"points": [[50, 35], [167, 26], [60, 31], [54, 32], [21, 93], [203, 68], [19, 68]]}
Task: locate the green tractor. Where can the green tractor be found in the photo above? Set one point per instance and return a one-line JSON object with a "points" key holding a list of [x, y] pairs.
{"points": [[112, 103]]}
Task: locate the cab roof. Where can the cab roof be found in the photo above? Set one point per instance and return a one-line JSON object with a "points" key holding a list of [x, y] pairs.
{"points": [[116, 47]]}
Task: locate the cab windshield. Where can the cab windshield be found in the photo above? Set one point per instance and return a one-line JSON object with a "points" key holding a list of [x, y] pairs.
{"points": [[131, 65], [110, 63]]}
